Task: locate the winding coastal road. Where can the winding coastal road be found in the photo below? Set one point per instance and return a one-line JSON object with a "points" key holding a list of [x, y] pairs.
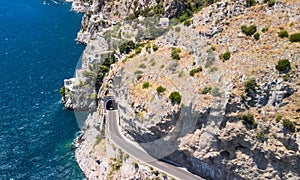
{"points": [[136, 151]]}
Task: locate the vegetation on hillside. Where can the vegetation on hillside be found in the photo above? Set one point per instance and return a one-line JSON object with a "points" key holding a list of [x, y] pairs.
{"points": [[249, 30], [250, 86], [249, 118], [160, 90], [175, 53], [146, 85], [175, 97], [283, 65], [289, 125], [283, 34], [225, 56], [295, 37], [195, 71]]}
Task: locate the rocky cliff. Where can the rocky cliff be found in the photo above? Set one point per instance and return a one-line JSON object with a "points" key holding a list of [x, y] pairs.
{"points": [[238, 113]]}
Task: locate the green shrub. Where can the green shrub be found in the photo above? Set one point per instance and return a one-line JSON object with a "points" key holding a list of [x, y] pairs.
{"points": [[177, 29], [286, 77], [250, 85], [146, 85], [249, 118], [208, 64], [155, 47], [187, 22], [278, 117], [271, 3], [139, 76], [283, 33], [216, 91], [142, 66], [256, 36], [138, 50], [183, 17], [176, 56], [196, 70], [225, 56], [62, 91], [295, 37], [138, 72], [249, 31], [136, 165], [156, 172], [148, 48], [264, 30], [164, 175], [160, 90], [289, 125], [283, 66], [206, 90], [127, 47], [175, 97], [175, 53], [250, 3]]}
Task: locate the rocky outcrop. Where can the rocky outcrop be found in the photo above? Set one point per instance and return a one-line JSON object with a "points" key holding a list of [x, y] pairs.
{"points": [[81, 91]]}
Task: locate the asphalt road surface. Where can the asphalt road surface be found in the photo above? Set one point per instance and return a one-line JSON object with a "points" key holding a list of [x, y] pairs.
{"points": [[137, 152]]}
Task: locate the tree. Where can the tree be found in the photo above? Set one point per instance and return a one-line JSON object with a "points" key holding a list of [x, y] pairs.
{"points": [[249, 31], [127, 47], [250, 85], [249, 118], [226, 56], [175, 53], [283, 33], [175, 97], [146, 85], [155, 47], [160, 90], [283, 66], [195, 71], [256, 36], [289, 125]]}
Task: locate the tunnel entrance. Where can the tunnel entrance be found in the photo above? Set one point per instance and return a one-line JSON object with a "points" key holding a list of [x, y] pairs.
{"points": [[109, 103]]}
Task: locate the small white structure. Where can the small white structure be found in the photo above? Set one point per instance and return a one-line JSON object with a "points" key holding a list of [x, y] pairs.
{"points": [[72, 85], [164, 22]]}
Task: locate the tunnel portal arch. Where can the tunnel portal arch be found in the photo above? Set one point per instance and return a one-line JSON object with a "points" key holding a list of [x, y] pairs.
{"points": [[109, 103]]}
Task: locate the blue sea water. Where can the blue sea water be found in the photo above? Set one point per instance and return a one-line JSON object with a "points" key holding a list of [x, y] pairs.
{"points": [[37, 51]]}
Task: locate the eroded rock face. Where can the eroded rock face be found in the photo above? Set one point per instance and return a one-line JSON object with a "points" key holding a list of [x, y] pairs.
{"points": [[216, 144], [81, 94], [267, 94]]}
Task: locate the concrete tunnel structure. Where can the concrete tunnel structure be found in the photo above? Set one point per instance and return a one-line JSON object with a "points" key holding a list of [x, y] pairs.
{"points": [[110, 103]]}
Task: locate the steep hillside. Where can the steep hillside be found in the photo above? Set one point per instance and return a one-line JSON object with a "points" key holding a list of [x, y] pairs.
{"points": [[217, 93]]}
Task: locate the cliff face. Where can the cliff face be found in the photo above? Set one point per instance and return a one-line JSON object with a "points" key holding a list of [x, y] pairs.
{"points": [[221, 144], [238, 117]]}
